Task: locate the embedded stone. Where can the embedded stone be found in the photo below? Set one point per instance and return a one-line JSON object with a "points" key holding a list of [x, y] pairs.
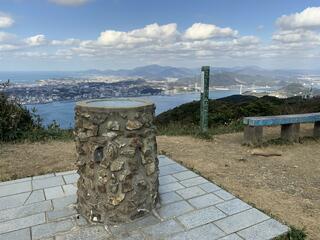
{"points": [[146, 159], [125, 173], [136, 142], [127, 187], [110, 135], [102, 188], [117, 165], [128, 152], [111, 151], [113, 125], [133, 125], [150, 168], [123, 115], [116, 200], [85, 115], [114, 188]]}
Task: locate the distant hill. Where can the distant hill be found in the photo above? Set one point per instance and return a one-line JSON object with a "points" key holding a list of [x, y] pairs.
{"points": [[149, 71], [297, 89], [220, 76], [230, 78], [232, 109]]}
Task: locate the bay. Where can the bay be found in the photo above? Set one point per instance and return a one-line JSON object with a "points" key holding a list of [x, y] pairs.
{"points": [[63, 112]]}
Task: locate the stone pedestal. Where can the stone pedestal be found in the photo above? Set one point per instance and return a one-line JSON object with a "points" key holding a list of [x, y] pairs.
{"points": [[290, 132], [253, 135], [316, 130], [117, 159]]}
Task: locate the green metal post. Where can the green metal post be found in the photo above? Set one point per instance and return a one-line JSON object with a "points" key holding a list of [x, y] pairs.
{"points": [[204, 102]]}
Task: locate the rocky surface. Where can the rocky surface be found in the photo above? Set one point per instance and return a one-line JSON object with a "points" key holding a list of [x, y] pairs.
{"points": [[117, 161]]}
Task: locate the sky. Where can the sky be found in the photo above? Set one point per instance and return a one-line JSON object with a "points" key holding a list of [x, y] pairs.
{"points": [[67, 35]]}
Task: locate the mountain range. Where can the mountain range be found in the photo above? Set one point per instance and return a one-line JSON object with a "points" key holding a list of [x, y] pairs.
{"points": [[221, 76]]}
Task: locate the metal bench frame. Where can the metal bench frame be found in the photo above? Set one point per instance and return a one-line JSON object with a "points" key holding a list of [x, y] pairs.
{"points": [[290, 126]]}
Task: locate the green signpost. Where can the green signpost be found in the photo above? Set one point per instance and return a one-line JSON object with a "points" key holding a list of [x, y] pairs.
{"points": [[204, 102]]}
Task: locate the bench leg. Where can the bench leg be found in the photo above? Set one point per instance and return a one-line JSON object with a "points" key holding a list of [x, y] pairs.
{"points": [[316, 130], [290, 132], [253, 135]]}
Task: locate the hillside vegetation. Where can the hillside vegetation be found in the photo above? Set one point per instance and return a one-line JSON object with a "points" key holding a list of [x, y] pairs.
{"points": [[226, 114], [18, 123]]}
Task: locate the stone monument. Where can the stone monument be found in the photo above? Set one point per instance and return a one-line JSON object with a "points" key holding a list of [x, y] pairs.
{"points": [[116, 158]]}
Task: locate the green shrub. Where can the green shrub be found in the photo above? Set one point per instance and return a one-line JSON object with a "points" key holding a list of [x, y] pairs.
{"points": [[226, 114], [18, 123]]}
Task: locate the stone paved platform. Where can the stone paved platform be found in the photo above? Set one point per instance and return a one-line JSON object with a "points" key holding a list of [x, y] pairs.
{"points": [[42, 207]]}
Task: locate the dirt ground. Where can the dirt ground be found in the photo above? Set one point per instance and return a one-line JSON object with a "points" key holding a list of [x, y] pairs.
{"points": [[31, 159], [286, 186]]}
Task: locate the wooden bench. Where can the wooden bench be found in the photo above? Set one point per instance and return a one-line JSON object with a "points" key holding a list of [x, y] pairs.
{"points": [[290, 126]]}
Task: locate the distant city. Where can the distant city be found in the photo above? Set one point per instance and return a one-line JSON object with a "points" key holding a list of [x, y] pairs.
{"points": [[162, 80]]}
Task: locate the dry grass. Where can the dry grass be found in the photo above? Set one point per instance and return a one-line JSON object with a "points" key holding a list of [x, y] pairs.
{"points": [[29, 159], [285, 186]]}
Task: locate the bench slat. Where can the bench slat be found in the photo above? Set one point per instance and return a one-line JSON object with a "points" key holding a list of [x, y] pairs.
{"points": [[282, 119]]}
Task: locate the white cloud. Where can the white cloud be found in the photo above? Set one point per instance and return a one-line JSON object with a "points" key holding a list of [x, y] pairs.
{"points": [[149, 34], [36, 40], [165, 43], [70, 2], [154, 31], [6, 37], [66, 42], [8, 47], [5, 20], [298, 35], [201, 31], [308, 18]]}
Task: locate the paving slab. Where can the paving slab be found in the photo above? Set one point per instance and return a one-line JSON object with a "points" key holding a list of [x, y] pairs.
{"points": [[170, 197], [20, 223], [175, 209], [65, 173], [190, 192], [35, 196], [47, 182], [64, 202], [13, 200], [16, 181], [209, 187], [224, 194], [23, 234], [15, 188], [185, 175], [231, 237], [51, 229], [24, 211], [60, 214], [191, 207], [193, 181], [163, 160], [265, 230], [134, 226], [92, 233], [233, 206], [170, 187], [71, 178], [205, 232], [205, 200], [241, 220], [163, 230], [54, 192], [167, 179], [201, 217]]}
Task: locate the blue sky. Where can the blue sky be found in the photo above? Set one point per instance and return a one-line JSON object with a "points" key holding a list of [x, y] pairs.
{"points": [[103, 34]]}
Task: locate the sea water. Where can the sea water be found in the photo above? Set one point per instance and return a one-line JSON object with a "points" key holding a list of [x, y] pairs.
{"points": [[63, 112]]}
